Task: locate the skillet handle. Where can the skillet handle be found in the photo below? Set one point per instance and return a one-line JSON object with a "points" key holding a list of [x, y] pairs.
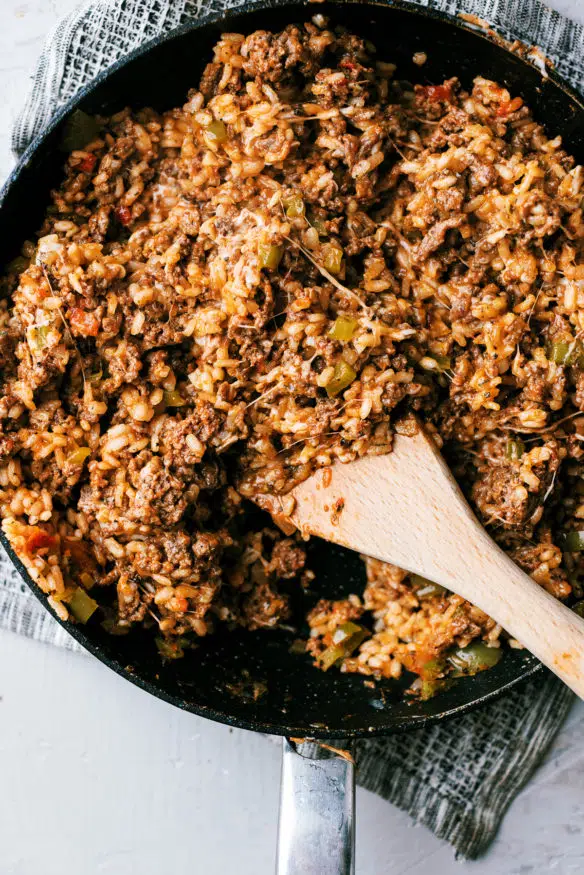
{"points": [[316, 831]]}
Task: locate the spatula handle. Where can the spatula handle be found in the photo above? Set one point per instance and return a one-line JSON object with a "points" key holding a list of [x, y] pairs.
{"points": [[545, 626]]}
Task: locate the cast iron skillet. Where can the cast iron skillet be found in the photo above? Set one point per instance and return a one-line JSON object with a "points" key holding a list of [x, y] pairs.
{"points": [[251, 680]]}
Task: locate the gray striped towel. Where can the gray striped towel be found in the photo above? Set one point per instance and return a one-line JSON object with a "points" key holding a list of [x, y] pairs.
{"points": [[457, 778]]}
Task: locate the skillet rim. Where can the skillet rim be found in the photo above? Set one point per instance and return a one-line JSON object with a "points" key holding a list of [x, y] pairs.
{"points": [[396, 723]]}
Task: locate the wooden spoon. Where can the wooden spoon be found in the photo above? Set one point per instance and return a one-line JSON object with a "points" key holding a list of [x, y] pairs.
{"points": [[406, 508]]}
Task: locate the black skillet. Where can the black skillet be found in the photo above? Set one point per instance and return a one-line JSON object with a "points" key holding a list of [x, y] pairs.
{"points": [[251, 680]]}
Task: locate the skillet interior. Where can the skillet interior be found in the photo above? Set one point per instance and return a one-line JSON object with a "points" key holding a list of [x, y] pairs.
{"points": [[251, 679]]}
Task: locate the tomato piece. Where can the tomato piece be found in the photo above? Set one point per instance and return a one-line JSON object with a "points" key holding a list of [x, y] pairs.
{"points": [[83, 322], [435, 93], [180, 604], [38, 539], [124, 215], [88, 163], [422, 662], [509, 106]]}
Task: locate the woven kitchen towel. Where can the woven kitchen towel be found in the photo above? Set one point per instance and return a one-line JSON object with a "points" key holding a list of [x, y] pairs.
{"points": [[457, 778]]}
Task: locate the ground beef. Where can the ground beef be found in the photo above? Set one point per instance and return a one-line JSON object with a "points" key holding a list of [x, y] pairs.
{"points": [[288, 558], [264, 607], [160, 497]]}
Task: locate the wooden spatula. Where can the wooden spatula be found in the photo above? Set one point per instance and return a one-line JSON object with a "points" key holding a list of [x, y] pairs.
{"points": [[406, 508]]}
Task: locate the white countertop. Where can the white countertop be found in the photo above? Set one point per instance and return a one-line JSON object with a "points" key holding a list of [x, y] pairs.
{"points": [[98, 778]]}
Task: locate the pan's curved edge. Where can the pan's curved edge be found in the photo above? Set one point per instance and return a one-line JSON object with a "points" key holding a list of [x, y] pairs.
{"points": [[399, 724], [257, 5]]}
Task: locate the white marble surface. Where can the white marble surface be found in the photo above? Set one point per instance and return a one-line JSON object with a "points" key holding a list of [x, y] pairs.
{"points": [[97, 778]]}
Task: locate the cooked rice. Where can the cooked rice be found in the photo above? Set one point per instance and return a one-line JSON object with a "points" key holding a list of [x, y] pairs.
{"points": [[227, 295]]}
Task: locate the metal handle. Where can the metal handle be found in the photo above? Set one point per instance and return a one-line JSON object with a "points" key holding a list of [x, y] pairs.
{"points": [[316, 832]]}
